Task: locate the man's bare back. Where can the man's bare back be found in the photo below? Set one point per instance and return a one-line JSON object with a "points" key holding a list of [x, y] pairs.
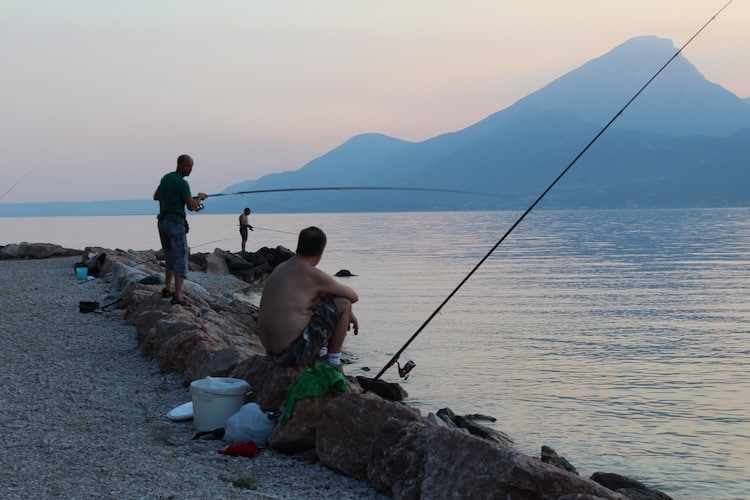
{"points": [[292, 290]]}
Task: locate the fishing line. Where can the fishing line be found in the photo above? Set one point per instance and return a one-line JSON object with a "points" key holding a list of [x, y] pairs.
{"points": [[210, 242], [234, 237], [395, 357]]}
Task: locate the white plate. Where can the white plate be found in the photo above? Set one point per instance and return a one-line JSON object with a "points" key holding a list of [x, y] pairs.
{"points": [[182, 412]]}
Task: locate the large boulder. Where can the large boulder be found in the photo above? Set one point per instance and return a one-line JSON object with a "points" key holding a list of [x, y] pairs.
{"points": [[250, 267], [410, 460], [25, 250], [351, 426], [550, 456], [267, 380], [216, 264]]}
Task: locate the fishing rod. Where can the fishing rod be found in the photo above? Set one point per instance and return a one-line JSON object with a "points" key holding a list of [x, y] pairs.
{"points": [[395, 357], [353, 188], [348, 188], [19, 181]]}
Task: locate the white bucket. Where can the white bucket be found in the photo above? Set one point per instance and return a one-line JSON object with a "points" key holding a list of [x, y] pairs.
{"points": [[215, 399]]}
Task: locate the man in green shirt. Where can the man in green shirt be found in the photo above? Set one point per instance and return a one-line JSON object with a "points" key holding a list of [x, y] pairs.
{"points": [[173, 195]]}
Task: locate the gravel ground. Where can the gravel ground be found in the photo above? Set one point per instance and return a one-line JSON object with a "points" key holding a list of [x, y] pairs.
{"points": [[84, 412]]}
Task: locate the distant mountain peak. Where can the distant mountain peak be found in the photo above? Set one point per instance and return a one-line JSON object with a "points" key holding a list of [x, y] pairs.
{"points": [[651, 43], [680, 101]]}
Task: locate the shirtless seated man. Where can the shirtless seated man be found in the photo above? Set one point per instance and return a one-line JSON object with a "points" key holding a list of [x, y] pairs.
{"points": [[304, 309]]}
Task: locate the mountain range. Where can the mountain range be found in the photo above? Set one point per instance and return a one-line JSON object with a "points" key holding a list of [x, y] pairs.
{"points": [[682, 142]]}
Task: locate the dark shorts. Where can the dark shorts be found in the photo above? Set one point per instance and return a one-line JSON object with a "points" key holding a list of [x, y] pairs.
{"points": [[174, 243], [305, 349], [243, 233]]}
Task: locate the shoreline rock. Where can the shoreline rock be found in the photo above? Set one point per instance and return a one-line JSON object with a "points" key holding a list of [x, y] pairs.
{"points": [[387, 444]]}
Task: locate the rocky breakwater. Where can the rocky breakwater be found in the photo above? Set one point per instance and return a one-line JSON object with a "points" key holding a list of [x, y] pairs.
{"points": [[386, 443]]}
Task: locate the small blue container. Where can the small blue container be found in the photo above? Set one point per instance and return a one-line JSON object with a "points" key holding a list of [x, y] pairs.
{"points": [[82, 272]]}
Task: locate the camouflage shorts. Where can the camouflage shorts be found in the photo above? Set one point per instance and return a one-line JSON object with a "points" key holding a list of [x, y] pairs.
{"points": [[305, 349]]}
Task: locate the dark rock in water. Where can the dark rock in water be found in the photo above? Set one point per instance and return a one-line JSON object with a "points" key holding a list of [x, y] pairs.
{"points": [[386, 390], [550, 456], [479, 416], [647, 494], [344, 273], [615, 481], [475, 429], [631, 488]]}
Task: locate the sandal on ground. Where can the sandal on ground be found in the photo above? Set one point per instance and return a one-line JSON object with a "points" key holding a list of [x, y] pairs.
{"points": [[166, 293], [179, 302]]}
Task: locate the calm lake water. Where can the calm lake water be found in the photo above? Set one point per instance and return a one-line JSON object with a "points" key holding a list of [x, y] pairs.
{"points": [[619, 338]]}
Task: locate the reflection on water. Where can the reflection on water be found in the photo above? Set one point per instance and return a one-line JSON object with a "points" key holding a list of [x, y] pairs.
{"points": [[619, 338]]}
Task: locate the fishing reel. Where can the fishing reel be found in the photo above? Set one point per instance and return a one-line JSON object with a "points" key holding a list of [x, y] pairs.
{"points": [[200, 205], [403, 371]]}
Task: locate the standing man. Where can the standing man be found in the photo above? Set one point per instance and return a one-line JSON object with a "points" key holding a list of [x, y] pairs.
{"points": [[173, 195], [303, 309], [244, 226]]}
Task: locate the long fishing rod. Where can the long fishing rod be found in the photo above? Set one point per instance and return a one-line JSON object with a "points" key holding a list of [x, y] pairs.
{"points": [[352, 188], [19, 181], [396, 356], [347, 188]]}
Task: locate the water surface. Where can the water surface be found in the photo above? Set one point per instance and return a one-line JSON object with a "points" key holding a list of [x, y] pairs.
{"points": [[619, 338]]}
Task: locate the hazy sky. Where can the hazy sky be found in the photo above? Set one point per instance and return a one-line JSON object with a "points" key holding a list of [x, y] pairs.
{"points": [[98, 97]]}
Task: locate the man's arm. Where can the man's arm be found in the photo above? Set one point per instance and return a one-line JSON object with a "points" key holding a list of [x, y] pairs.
{"points": [[329, 285], [193, 203]]}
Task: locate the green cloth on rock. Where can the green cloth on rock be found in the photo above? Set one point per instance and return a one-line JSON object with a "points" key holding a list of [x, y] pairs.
{"points": [[152, 279], [316, 381]]}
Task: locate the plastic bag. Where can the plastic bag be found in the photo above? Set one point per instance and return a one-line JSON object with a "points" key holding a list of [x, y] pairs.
{"points": [[248, 424]]}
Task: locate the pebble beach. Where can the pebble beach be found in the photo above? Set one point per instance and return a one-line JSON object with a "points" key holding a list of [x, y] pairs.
{"points": [[85, 413]]}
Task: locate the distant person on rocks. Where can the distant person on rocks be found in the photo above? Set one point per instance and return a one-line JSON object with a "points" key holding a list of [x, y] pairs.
{"points": [[173, 195], [244, 227], [304, 312]]}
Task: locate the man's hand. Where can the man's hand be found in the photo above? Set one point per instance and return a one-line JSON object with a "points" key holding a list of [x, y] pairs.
{"points": [[202, 196], [354, 324]]}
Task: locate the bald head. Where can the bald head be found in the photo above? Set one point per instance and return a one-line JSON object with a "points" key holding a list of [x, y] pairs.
{"points": [[184, 165]]}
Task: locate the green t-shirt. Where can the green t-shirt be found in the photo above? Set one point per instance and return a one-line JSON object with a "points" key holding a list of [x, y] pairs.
{"points": [[173, 191]]}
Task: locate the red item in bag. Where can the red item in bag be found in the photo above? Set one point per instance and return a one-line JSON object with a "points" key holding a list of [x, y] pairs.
{"points": [[248, 449]]}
